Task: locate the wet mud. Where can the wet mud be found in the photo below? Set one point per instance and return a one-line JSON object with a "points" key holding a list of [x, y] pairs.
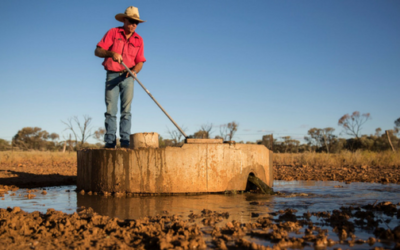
{"points": [[305, 215], [281, 229]]}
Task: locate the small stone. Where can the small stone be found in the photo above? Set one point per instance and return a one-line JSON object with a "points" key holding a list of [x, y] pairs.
{"points": [[16, 210]]}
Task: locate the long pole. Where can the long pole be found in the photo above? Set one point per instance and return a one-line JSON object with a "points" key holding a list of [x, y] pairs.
{"points": [[148, 92]]}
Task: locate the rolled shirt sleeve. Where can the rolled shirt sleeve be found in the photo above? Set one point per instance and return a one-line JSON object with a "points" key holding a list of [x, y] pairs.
{"points": [[108, 39], [140, 55]]}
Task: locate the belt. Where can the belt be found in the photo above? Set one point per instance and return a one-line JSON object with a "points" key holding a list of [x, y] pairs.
{"points": [[119, 72], [123, 71]]}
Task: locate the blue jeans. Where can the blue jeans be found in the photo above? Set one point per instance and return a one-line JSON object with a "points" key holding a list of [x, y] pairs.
{"points": [[117, 84]]}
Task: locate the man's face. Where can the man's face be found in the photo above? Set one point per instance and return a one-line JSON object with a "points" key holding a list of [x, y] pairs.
{"points": [[130, 25]]}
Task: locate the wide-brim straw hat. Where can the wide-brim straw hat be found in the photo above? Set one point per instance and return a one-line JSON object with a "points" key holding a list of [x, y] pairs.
{"points": [[130, 12]]}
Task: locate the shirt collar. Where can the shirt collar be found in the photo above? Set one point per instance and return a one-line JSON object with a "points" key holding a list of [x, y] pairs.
{"points": [[121, 30]]}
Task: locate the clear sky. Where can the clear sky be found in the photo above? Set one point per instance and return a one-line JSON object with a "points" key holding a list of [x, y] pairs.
{"points": [[278, 67]]}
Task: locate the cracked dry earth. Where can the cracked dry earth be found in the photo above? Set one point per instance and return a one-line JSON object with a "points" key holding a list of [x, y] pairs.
{"points": [[282, 229]]}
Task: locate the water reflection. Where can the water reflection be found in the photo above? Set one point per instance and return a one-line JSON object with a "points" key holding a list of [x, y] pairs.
{"points": [[314, 196], [60, 198], [238, 206]]}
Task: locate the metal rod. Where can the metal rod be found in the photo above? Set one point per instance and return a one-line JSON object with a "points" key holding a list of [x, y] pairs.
{"points": [[148, 92]]}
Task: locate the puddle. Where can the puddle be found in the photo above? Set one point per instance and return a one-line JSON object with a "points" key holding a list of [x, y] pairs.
{"points": [[60, 198], [304, 196]]}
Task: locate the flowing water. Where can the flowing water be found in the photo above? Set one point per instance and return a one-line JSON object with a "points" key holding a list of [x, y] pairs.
{"points": [[313, 196]]}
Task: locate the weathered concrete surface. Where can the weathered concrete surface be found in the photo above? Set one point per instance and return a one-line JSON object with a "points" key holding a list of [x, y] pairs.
{"points": [[144, 140], [204, 141], [190, 168]]}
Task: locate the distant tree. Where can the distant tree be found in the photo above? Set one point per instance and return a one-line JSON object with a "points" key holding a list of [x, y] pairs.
{"points": [[338, 145], [176, 136], [31, 138], [290, 144], [201, 134], [223, 131], [397, 125], [54, 136], [397, 122], [352, 124], [84, 128], [99, 134], [268, 141], [232, 127], [204, 132], [4, 145], [314, 138], [397, 130], [378, 132], [169, 143], [320, 138], [227, 131], [328, 138], [161, 142]]}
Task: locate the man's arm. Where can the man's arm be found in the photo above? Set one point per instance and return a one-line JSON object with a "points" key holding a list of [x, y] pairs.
{"points": [[135, 69], [102, 53], [138, 67]]}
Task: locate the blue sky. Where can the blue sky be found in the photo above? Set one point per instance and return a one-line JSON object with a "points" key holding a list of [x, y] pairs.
{"points": [[278, 67]]}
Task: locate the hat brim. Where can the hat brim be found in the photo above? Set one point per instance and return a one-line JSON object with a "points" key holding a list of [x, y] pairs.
{"points": [[120, 17]]}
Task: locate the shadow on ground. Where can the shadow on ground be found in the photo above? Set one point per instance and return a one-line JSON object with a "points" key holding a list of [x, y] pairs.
{"points": [[29, 180]]}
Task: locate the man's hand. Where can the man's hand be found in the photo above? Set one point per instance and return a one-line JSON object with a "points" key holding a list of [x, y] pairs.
{"points": [[100, 52], [117, 57], [128, 75], [135, 69]]}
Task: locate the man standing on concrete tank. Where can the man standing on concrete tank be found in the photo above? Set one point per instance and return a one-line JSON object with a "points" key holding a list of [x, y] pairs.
{"points": [[120, 44]]}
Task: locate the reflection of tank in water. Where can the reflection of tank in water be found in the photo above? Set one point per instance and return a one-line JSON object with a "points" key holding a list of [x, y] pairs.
{"points": [[238, 206], [199, 166]]}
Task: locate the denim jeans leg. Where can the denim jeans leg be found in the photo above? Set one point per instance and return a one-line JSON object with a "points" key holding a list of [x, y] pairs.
{"points": [[126, 94], [111, 99]]}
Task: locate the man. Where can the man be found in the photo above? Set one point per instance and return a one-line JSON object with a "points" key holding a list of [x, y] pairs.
{"points": [[120, 44]]}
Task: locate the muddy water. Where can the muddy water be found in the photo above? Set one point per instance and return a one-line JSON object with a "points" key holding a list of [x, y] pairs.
{"points": [[304, 196]]}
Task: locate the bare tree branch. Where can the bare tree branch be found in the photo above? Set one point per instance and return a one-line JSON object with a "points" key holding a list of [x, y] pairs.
{"points": [[70, 127], [176, 136], [85, 129], [227, 131], [352, 125]]}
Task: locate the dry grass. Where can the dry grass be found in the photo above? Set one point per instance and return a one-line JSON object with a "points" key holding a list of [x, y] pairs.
{"points": [[41, 158], [359, 158], [346, 158]]}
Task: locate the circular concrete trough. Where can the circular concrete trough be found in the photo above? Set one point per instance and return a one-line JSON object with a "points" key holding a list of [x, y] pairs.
{"points": [[199, 166]]}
